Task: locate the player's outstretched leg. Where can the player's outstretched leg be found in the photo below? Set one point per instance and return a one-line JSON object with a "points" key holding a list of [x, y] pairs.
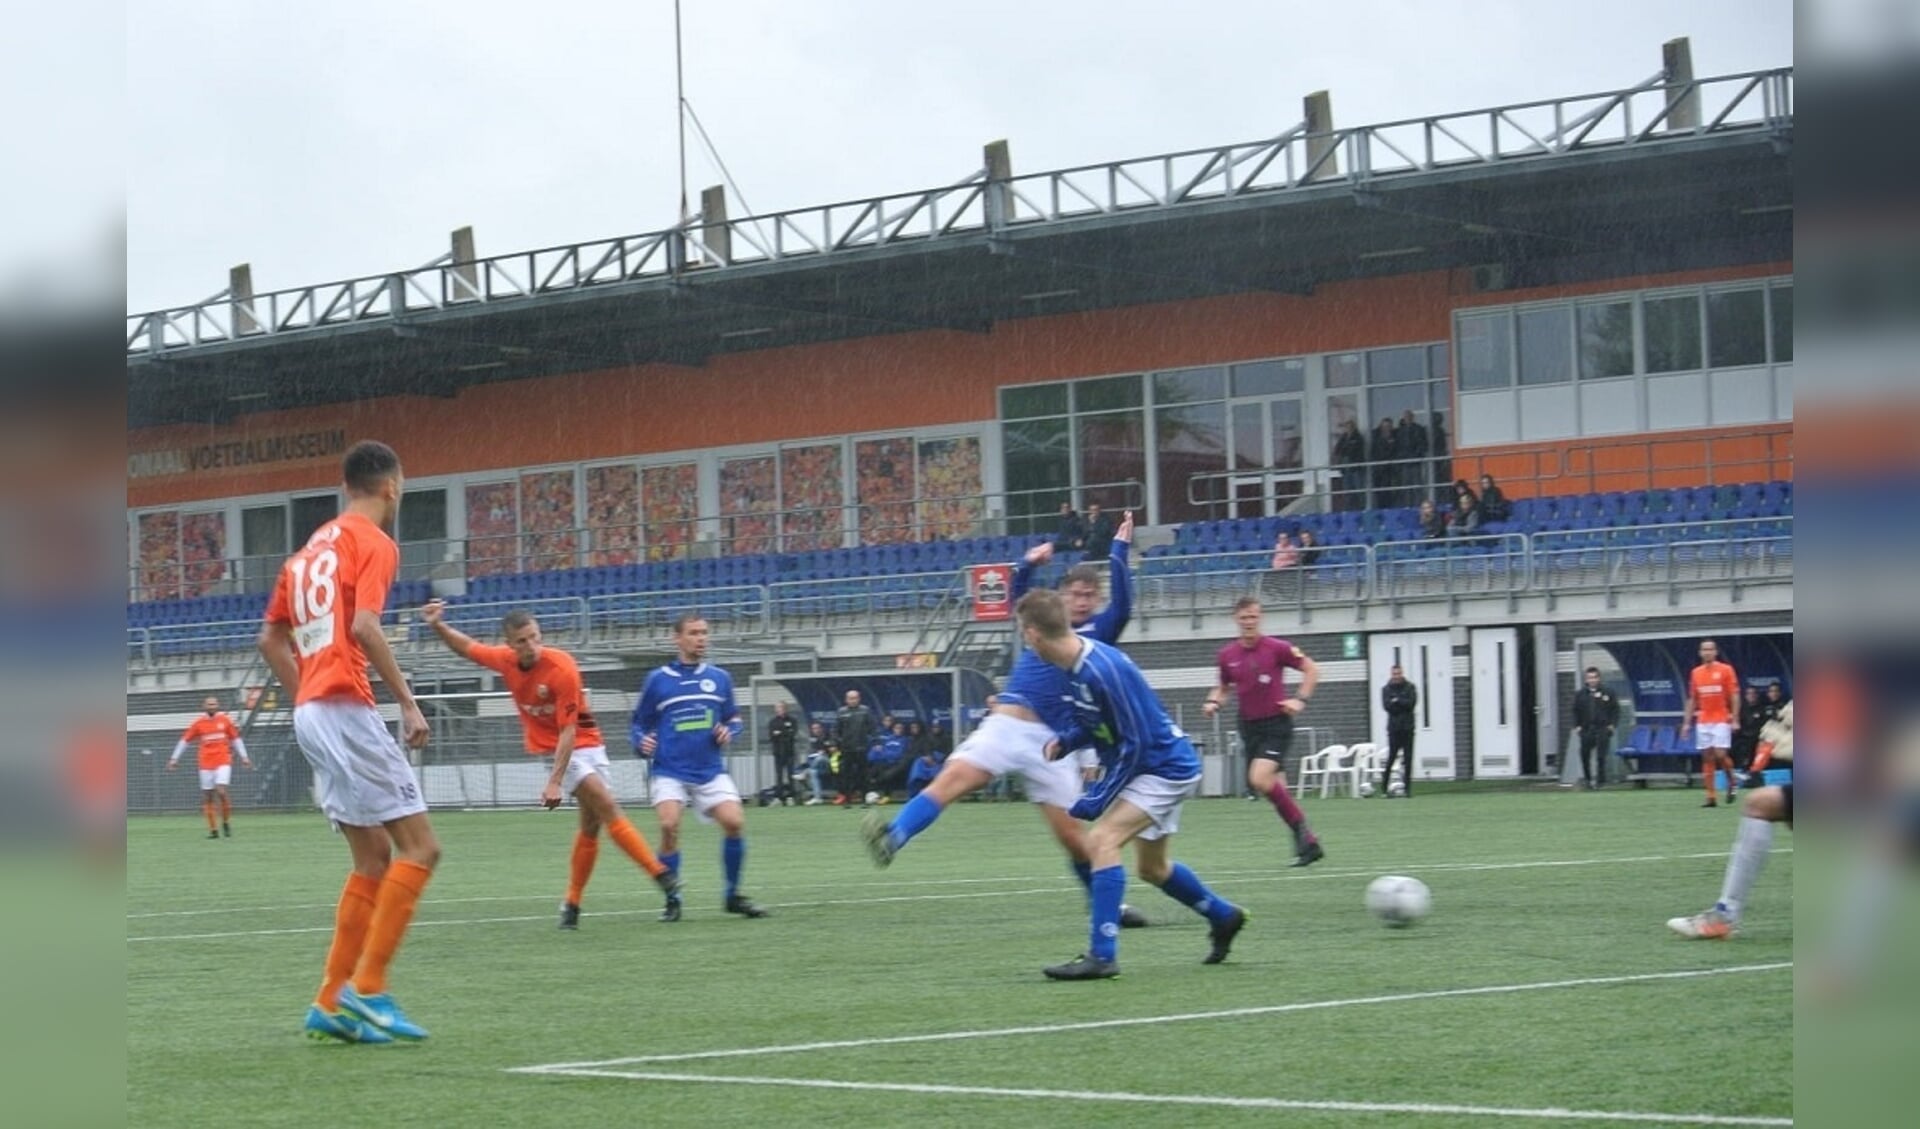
{"points": [[957, 778], [1751, 844], [1224, 919]]}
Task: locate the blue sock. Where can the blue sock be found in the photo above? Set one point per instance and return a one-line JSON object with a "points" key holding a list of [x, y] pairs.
{"points": [[671, 862], [1084, 872], [733, 852], [1185, 887], [1109, 890], [918, 815]]}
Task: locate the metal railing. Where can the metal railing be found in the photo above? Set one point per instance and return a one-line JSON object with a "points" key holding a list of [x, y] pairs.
{"points": [[1675, 556], [1755, 102]]}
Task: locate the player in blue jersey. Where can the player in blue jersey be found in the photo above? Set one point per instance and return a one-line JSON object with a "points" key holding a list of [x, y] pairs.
{"points": [[685, 718], [1022, 718], [1150, 768]]}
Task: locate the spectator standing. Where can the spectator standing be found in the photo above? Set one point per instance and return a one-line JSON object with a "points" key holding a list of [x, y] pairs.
{"points": [[1100, 531], [1349, 457], [783, 734], [1596, 714], [1494, 505], [1399, 698], [854, 732], [1754, 713], [1411, 439], [1073, 530], [1383, 452]]}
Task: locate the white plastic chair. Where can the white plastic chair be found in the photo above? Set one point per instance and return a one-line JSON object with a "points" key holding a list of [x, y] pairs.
{"points": [[1313, 768], [1338, 769], [1366, 764]]}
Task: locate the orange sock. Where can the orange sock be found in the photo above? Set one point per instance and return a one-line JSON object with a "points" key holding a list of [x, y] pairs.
{"points": [[1762, 757], [392, 913], [628, 838], [350, 919], [206, 809], [226, 806], [586, 849]]}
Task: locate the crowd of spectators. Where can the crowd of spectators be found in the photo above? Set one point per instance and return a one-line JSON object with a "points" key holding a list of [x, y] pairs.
{"points": [[811, 495], [548, 540], [493, 529], [748, 502], [949, 488], [883, 475], [669, 503], [613, 514], [159, 577], [1390, 466], [203, 553]]}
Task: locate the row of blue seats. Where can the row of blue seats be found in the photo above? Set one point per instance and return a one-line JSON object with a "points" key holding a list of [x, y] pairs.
{"points": [[1746, 502], [248, 607]]}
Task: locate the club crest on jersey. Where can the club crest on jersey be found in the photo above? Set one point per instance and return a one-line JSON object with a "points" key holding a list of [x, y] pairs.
{"points": [[708, 685], [543, 691]]}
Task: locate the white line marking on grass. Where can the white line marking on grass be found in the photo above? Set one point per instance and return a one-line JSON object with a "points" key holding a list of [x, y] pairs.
{"points": [[1246, 877], [1155, 1020], [1416, 1108]]}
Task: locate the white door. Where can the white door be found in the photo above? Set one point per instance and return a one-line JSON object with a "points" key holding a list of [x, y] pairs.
{"points": [[1497, 719], [1426, 657]]}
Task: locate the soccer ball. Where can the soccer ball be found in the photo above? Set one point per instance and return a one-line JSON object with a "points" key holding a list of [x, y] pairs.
{"points": [[1396, 789], [1366, 788], [1398, 900], [873, 797]]}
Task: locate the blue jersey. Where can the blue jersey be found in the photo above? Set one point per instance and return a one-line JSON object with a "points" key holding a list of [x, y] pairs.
{"points": [[891, 748], [1122, 718], [1041, 686], [680, 706]]}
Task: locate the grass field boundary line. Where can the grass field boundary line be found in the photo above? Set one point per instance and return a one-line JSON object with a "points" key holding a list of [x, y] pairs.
{"points": [[1304, 1105], [1321, 874], [1156, 1020]]}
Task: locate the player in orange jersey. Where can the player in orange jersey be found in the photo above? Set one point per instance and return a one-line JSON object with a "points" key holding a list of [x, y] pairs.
{"points": [[219, 739], [322, 630], [1713, 693], [545, 683]]}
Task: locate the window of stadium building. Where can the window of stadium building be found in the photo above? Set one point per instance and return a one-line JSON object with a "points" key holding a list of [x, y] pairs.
{"points": [[1668, 359]]}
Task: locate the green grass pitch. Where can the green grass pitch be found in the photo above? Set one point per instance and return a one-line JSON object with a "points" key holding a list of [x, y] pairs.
{"points": [[1531, 889]]}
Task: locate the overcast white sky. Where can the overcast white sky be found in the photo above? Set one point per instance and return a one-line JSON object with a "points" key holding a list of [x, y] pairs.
{"points": [[326, 141]]}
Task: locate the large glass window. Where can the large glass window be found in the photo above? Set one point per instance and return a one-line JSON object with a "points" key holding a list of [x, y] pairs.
{"points": [[1397, 366], [1113, 455], [1025, 401], [1191, 440], [1039, 458], [1783, 324], [1546, 345], [423, 529], [1606, 340], [1737, 328], [1269, 378], [1345, 370], [1189, 386], [1106, 393], [312, 512], [1673, 333], [1486, 351]]}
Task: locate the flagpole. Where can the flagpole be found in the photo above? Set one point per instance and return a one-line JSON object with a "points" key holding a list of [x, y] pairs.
{"points": [[680, 109]]}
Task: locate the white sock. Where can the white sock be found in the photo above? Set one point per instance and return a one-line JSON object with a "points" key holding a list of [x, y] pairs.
{"points": [[1750, 847]]}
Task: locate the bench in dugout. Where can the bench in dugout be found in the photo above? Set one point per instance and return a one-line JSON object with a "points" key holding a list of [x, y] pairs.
{"points": [[1655, 752]]}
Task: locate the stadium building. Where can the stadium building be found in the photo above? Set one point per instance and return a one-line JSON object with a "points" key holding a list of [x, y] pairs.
{"points": [[816, 426]]}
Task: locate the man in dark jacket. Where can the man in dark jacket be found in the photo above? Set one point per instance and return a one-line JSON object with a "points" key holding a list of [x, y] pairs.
{"points": [[1398, 698], [1754, 713], [783, 734], [1100, 531], [1596, 713], [1349, 452], [854, 731]]}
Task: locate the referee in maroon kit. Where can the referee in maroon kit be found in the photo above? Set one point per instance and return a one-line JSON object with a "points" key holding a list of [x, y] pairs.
{"points": [[1255, 667]]}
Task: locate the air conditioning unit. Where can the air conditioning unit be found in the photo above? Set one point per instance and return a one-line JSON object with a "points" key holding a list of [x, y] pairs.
{"points": [[1488, 277]]}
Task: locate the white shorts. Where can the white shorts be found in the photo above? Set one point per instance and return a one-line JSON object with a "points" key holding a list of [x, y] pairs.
{"points": [[209, 777], [589, 761], [703, 798], [1712, 736], [1160, 798], [1005, 744], [361, 777]]}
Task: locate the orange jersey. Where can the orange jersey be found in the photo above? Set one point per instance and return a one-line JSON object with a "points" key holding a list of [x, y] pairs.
{"points": [[347, 565], [549, 696], [1714, 690], [216, 735]]}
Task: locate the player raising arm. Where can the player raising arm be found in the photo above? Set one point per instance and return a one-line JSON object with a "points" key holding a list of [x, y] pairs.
{"points": [[546, 689], [322, 630]]}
